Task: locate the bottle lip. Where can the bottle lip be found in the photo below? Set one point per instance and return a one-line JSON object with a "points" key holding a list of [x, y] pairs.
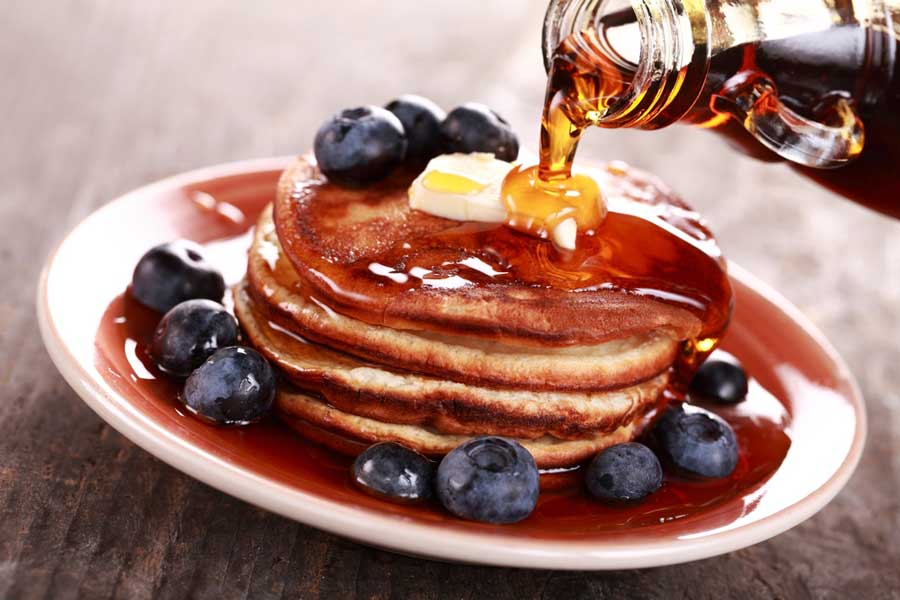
{"points": [[551, 34], [674, 36], [563, 18]]}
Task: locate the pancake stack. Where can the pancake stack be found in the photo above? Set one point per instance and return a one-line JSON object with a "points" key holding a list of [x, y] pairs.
{"points": [[390, 324]]}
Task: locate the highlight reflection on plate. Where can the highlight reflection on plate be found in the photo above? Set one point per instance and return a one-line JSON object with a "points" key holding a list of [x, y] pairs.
{"points": [[801, 432]]}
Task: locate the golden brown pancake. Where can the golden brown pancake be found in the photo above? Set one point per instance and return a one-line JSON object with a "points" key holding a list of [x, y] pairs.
{"points": [[622, 362], [374, 391], [548, 452], [367, 254], [390, 324], [551, 478]]}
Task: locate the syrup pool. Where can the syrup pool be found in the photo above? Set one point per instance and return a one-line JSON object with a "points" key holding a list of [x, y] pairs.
{"points": [[801, 393], [762, 425]]}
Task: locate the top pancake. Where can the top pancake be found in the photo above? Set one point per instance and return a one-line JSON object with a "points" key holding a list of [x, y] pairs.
{"points": [[370, 256]]}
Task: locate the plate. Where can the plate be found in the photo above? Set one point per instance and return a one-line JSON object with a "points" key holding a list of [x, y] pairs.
{"points": [[801, 431]]}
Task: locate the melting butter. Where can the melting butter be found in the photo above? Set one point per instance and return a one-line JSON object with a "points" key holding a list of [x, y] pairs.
{"points": [[463, 187], [557, 209], [453, 183], [479, 187]]}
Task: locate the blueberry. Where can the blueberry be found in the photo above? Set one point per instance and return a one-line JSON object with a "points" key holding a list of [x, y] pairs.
{"points": [[474, 127], [722, 381], [235, 386], [697, 443], [171, 273], [490, 479], [360, 145], [395, 472], [624, 473], [421, 120], [189, 334]]}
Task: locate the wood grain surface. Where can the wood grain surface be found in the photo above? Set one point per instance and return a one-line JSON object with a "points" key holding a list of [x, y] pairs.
{"points": [[100, 96]]}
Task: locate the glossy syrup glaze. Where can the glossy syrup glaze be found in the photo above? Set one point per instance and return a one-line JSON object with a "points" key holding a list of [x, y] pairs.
{"points": [[650, 251], [762, 425], [633, 255], [581, 84]]}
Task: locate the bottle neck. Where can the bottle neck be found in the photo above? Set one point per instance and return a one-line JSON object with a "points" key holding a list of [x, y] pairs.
{"points": [[661, 48]]}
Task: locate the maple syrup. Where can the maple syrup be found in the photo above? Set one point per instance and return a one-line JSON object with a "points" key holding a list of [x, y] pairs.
{"points": [[540, 197], [538, 206], [584, 82], [816, 84], [272, 450], [649, 245]]}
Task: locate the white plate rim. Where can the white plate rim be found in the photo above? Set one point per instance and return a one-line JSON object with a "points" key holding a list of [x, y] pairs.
{"points": [[386, 531]]}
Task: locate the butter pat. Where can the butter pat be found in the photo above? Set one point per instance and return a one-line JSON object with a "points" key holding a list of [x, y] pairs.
{"points": [[463, 187], [444, 182]]}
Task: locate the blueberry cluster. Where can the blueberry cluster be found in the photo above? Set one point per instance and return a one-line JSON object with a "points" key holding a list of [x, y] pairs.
{"points": [[495, 480], [197, 337], [359, 146], [490, 479]]}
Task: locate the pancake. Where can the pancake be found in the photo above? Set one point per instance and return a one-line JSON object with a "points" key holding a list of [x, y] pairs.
{"points": [[376, 392], [275, 285], [548, 452], [390, 324], [551, 478], [367, 254]]}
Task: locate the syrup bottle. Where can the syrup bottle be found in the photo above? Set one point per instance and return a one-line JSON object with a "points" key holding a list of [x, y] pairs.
{"points": [[812, 82]]}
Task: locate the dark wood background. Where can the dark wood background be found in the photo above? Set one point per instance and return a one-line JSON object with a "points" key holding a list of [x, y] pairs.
{"points": [[100, 96]]}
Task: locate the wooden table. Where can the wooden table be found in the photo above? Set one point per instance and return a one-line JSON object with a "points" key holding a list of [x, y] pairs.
{"points": [[101, 96]]}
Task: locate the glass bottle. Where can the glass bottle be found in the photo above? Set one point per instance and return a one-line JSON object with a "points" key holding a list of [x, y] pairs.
{"points": [[812, 82]]}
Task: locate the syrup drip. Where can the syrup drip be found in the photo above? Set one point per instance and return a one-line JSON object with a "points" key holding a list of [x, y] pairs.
{"points": [[633, 235], [809, 71], [638, 239], [584, 81], [536, 206], [582, 84]]}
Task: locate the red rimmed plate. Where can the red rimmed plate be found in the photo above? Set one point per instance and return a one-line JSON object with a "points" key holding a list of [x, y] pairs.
{"points": [[801, 431]]}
